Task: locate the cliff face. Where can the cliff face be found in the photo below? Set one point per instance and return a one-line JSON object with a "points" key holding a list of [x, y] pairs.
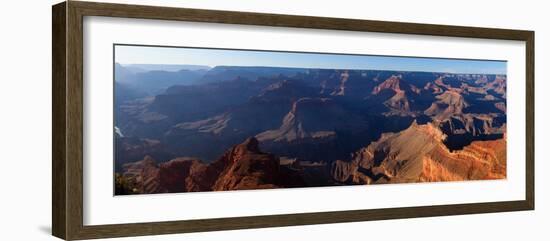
{"points": [[448, 104], [246, 167], [392, 83], [418, 154], [481, 160], [178, 175], [312, 119], [242, 167]]}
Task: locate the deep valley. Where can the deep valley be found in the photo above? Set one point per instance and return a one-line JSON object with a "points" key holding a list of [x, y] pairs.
{"points": [[233, 128]]}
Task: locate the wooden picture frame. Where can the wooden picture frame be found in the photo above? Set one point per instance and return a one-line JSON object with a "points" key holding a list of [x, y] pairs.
{"points": [[67, 152]]}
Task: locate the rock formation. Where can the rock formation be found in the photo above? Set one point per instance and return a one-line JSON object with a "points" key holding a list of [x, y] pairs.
{"points": [[418, 154], [242, 167]]}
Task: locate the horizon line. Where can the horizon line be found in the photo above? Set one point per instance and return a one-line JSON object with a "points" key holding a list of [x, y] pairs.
{"points": [[315, 68], [141, 54]]}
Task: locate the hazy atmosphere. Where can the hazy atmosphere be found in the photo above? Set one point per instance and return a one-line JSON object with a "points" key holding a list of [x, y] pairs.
{"points": [[219, 57], [196, 119]]}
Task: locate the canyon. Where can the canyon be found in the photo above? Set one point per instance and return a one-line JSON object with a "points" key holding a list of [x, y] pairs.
{"points": [[240, 128]]}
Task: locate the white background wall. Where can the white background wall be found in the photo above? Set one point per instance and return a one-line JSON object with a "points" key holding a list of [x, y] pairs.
{"points": [[25, 120]]}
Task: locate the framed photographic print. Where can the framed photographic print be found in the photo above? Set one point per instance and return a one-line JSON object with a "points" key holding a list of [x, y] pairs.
{"points": [[165, 117]]}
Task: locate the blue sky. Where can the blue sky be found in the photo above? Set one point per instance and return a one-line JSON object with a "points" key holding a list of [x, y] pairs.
{"points": [[125, 54]]}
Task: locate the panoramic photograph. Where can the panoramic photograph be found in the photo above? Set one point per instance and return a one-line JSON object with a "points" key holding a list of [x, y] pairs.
{"points": [[202, 119]]}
